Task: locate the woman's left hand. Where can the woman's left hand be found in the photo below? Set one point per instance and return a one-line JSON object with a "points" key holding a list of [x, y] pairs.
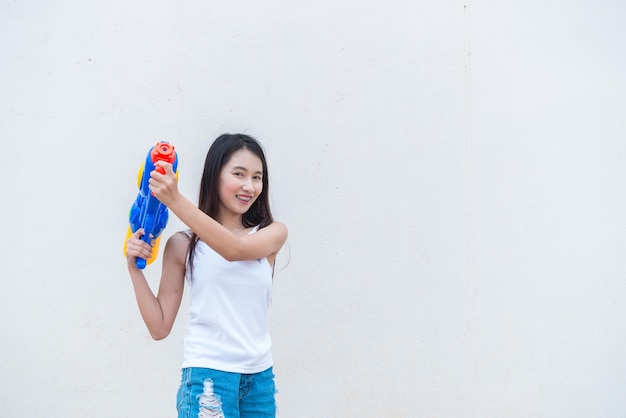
{"points": [[164, 186]]}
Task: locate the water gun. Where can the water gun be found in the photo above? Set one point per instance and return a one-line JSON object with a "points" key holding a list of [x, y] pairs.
{"points": [[147, 211]]}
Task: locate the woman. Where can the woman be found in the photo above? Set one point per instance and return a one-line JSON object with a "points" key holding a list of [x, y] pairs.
{"points": [[227, 259]]}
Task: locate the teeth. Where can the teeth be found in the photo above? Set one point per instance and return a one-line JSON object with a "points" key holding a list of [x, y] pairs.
{"points": [[244, 198]]}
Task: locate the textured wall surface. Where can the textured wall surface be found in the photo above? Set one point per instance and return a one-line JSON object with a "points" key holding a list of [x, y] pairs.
{"points": [[451, 173]]}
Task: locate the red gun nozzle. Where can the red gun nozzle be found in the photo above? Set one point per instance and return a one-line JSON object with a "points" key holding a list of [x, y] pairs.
{"points": [[163, 151]]}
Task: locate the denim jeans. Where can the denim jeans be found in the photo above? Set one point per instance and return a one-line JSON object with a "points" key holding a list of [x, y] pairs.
{"points": [[213, 393]]}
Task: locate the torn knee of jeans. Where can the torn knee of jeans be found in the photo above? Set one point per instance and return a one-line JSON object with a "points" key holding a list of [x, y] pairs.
{"points": [[210, 403]]}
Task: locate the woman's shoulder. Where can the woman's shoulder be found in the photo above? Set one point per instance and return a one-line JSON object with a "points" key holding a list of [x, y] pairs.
{"points": [[276, 231], [277, 226], [176, 247], [180, 239]]}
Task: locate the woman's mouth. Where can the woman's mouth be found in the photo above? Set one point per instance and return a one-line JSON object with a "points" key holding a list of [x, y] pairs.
{"points": [[244, 198]]}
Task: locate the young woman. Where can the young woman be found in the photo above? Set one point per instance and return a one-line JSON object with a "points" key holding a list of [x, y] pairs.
{"points": [[227, 259]]}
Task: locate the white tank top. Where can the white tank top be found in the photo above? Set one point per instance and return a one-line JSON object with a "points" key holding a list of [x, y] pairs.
{"points": [[229, 313]]}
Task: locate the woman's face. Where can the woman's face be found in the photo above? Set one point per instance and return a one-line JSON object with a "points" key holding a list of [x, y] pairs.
{"points": [[240, 183]]}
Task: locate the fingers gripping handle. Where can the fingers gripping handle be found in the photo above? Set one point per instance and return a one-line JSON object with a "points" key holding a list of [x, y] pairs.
{"points": [[149, 228]]}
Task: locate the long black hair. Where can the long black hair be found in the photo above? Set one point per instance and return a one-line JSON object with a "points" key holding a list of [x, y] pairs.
{"points": [[219, 154]]}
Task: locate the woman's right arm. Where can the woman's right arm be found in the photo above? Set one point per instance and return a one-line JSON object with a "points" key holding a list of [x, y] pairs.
{"points": [[159, 312]]}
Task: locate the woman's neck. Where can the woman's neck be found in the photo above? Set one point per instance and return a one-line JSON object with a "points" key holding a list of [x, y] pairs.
{"points": [[233, 223]]}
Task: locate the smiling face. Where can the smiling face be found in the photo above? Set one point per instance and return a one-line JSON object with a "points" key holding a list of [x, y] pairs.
{"points": [[240, 184]]}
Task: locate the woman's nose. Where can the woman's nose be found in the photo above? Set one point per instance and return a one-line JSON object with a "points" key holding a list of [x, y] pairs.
{"points": [[247, 184]]}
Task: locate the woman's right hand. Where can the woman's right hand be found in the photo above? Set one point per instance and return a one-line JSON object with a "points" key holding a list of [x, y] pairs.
{"points": [[136, 247]]}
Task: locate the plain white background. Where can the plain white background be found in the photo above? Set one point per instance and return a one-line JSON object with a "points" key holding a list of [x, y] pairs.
{"points": [[451, 173]]}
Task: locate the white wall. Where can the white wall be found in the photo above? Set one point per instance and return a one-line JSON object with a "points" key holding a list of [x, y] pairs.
{"points": [[452, 174]]}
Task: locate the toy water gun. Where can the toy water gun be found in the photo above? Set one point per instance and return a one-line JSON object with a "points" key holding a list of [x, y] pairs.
{"points": [[147, 211]]}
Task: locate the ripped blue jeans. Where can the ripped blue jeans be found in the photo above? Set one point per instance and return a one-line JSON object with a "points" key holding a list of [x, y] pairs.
{"points": [[213, 393]]}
